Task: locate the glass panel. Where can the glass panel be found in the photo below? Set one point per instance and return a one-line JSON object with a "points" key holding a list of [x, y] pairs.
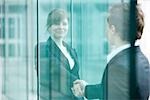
{"points": [[89, 38], [118, 68], [2, 35], [86, 34], [17, 40], [55, 78], [125, 67], [2, 49], [11, 23], [11, 48]]}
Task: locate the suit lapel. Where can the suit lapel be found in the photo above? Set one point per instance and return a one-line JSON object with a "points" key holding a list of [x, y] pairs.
{"points": [[71, 52], [56, 52]]}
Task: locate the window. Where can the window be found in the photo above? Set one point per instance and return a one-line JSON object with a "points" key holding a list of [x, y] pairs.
{"points": [[11, 49], [11, 25], [2, 49], [2, 35]]}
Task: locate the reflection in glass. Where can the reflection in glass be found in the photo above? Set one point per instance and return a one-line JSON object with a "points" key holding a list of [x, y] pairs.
{"points": [[11, 52], [11, 23]]}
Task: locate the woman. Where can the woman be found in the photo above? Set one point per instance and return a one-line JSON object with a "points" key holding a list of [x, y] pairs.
{"points": [[58, 62]]}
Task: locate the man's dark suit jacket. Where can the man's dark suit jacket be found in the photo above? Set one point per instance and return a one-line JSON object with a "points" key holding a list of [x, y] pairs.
{"points": [[55, 76], [115, 81]]}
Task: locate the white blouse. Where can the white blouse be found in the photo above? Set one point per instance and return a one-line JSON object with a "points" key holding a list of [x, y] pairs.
{"points": [[65, 52], [68, 56]]}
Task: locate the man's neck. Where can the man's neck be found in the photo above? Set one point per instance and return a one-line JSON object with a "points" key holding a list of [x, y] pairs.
{"points": [[118, 44]]}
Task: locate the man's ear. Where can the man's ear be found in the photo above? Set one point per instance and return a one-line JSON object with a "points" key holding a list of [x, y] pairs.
{"points": [[113, 29]]}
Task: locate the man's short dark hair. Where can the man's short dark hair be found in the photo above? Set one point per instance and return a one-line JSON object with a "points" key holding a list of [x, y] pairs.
{"points": [[119, 16]]}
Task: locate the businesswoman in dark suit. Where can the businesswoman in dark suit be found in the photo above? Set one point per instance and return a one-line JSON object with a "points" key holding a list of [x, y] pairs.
{"points": [[58, 64]]}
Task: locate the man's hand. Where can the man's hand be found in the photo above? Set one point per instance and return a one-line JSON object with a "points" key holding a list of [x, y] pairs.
{"points": [[78, 88]]}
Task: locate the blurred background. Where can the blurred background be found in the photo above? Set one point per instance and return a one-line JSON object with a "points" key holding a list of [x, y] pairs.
{"points": [[23, 25]]}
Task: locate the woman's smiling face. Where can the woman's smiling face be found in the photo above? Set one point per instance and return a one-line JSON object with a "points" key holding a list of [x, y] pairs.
{"points": [[59, 30]]}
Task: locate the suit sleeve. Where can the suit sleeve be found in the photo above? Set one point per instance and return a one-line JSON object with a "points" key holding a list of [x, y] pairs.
{"points": [[143, 70], [94, 91]]}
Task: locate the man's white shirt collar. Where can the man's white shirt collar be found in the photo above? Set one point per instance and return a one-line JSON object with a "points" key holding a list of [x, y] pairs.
{"points": [[119, 49], [116, 51]]}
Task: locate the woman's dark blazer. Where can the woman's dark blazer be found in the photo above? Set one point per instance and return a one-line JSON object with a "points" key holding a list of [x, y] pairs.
{"points": [[115, 83], [55, 76]]}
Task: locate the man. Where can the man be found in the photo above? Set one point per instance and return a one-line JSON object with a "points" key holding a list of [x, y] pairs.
{"points": [[115, 82]]}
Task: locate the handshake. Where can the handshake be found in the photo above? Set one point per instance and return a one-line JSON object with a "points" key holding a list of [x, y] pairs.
{"points": [[78, 88]]}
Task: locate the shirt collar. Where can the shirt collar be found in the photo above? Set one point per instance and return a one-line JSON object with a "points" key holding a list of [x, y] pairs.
{"points": [[119, 49], [116, 51]]}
